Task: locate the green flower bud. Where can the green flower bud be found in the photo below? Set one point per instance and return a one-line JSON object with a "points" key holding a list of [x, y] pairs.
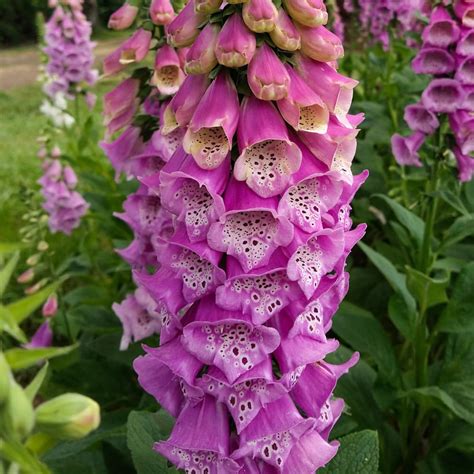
{"points": [[33, 259], [68, 416], [17, 416]]}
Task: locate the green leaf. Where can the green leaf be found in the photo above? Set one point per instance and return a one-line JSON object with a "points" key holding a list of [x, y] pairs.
{"points": [[459, 313], [21, 309], [365, 334], [143, 430], [461, 228], [358, 454], [15, 452], [396, 280], [398, 313], [9, 325], [7, 271], [22, 358], [428, 291], [452, 200], [9, 247], [457, 397], [33, 387], [414, 225]]}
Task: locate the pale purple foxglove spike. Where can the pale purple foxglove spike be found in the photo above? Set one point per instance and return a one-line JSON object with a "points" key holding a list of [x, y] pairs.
{"points": [[200, 439], [167, 76], [307, 12], [188, 272], [468, 103], [236, 44], [244, 399], [266, 75], [166, 145], [161, 12], [465, 12], [285, 35], [133, 50], [335, 89], [262, 293], [184, 29], [137, 322], [306, 202], [193, 194], [259, 15], [214, 122], [146, 163], [208, 337], [465, 46], [121, 102], [419, 119], [303, 109], [118, 152], [442, 30], [405, 149], [320, 44], [70, 177], [465, 166], [167, 373], [201, 58], [250, 230], [268, 157], [316, 384], [436, 61], [207, 6], [465, 72], [180, 109], [313, 256], [43, 337], [123, 18]]}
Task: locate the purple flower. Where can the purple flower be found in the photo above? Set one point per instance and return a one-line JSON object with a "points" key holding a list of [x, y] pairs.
{"points": [[201, 58], [168, 75], [309, 13], [320, 44], [285, 34], [161, 12], [259, 15], [405, 149], [43, 337], [123, 18], [443, 96], [421, 119], [433, 61], [184, 29], [442, 30]]}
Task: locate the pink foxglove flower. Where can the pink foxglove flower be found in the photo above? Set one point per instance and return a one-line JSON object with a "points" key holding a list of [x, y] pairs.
{"points": [[123, 18], [242, 229], [168, 75], [42, 338]]}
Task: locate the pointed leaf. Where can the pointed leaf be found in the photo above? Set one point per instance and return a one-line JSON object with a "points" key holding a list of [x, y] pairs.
{"points": [[21, 309], [19, 358], [16, 453], [428, 291], [358, 454], [33, 387], [9, 247], [414, 225], [9, 325], [7, 271], [461, 228]]}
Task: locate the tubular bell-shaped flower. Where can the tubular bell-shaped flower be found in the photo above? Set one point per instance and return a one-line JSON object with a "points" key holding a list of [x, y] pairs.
{"points": [[168, 75], [214, 122], [123, 18], [161, 12], [320, 44], [184, 29], [307, 12], [285, 35], [259, 15], [201, 58]]}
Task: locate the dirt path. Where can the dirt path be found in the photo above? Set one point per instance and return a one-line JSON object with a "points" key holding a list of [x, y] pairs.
{"points": [[19, 67]]}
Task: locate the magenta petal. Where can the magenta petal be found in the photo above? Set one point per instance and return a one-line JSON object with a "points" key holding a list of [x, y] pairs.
{"points": [[465, 165], [443, 96], [200, 440], [262, 293], [193, 194], [251, 235], [166, 373], [267, 156], [247, 396], [442, 30], [419, 119], [168, 75], [228, 340], [465, 72], [214, 122], [433, 61], [405, 149], [465, 46], [43, 337]]}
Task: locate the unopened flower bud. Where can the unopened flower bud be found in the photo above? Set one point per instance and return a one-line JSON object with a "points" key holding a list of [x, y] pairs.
{"points": [[36, 287], [285, 35], [56, 152], [201, 58], [184, 29], [307, 12], [122, 18], [68, 416], [26, 276], [50, 307], [33, 259], [161, 12], [207, 6], [260, 15]]}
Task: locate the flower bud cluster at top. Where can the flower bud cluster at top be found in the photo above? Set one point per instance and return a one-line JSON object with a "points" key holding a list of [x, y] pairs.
{"points": [[447, 54], [242, 142]]}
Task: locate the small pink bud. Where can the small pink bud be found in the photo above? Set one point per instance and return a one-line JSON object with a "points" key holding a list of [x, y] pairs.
{"points": [[42, 153], [33, 260], [123, 18], [43, 246], [184, 29], [266, 75], [285, 35], [50, 307], [320, 44], [161, 12], [36, 287], [201, 58], [236, 44], [70, 177], [307, 12], [56, 152], [260, 15], [26, 276]]}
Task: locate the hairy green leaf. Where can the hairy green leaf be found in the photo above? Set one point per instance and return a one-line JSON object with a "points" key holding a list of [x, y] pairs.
{"points": [[7, 271], [19, 358]]}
